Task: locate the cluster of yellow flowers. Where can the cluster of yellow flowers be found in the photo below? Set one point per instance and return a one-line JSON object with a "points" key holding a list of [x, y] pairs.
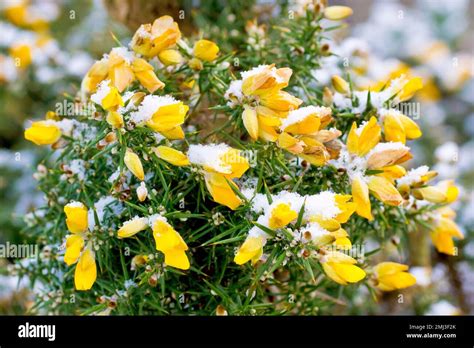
{"points": [[371, 157]]}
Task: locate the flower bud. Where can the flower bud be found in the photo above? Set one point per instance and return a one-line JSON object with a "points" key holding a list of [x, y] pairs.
{"points": [[336, 13], [340, 84]]}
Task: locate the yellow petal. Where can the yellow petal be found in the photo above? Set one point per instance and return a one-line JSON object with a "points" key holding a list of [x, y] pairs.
{"points": [[168, 117], [252, 247], [175, 133], [112, 100], [220, 190], [133, 163], [121, 75], [430, 193], [166, 237], [290, 143], [132, 227], [410, 88], [443, 242], [384, 190], [43, 133], [396, 281], [281, 216], [347, 208], [360, 195], [170, 57], [86, 271], [343, 243], [249, 117], [353, 140], [96, 74], [144, 72], [448, 226], [177, 258], [350, 273], [449, 189], [393, 129], [172, 156], [237, 163], [74, 245], [369, 136], [328, 224], [206, 50], [308, 125], [115, 119], [388, 157], [412, 131], [76, 217], [280, 101], [331, 273], [267, 133]]}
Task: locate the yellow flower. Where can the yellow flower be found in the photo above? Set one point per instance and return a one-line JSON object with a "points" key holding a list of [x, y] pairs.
{"points": [[76, 217], [149, 40], [302, 135], [132, 227], [86, 271], [133, 163], [77, 223], [364, 152], [360, 194], [115, 119], [384, 191], [172, 156], [206, 50], [265, 104], [336, 13], [170, 57], [398, 127], [43, 133], [168, 117], [120, 72], [393, 276], [361, 140], [107, 96], [281, 216], [170, 242], [444, 230], [121, 67], [443, 192], [341, 268], [251, 250], [409, 88], [22, 55], [146, 75], [265, 79], [220, 163], [74, 245]]}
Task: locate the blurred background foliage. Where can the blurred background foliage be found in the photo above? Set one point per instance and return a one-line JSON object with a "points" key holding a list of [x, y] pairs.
{"points": [[431, 38]]}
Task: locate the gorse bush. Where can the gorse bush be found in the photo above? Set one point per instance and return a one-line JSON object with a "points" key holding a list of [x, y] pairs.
{"points": [[203, 182]]}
